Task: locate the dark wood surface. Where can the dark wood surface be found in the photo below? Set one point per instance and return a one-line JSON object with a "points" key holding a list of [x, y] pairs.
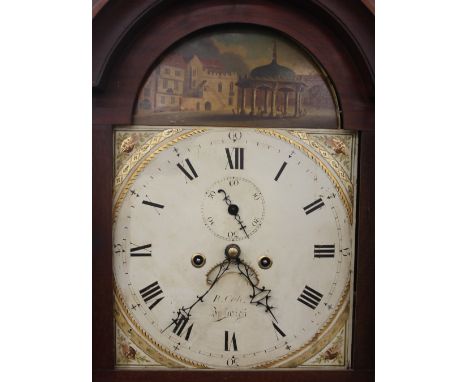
{"points": [[236, 376], [128, 38], [119, 71], [103, 332], [363, 328]]}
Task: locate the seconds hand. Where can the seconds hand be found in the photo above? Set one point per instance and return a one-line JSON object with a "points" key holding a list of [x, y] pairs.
{"points": [[233, 210]]}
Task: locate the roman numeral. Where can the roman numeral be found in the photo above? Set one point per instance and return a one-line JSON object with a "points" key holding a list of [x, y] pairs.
{"points": [[310, 297], [280, 171], [148, 203], [313, 206], [230, 342], [324, 250], [193, 173], [140, 251], [238, 162], [278, 329], [180, 325], [150, 294]]}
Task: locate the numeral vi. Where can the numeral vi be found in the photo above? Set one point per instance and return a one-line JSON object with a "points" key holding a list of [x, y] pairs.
{"points": [[230, 342]]}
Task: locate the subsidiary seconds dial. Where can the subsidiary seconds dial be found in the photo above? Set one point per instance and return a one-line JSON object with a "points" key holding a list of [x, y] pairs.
{"points": [[233, 208]]}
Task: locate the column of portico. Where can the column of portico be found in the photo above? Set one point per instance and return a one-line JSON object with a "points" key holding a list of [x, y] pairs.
{"points": [[296, 103], [265, 101], [242, 111], [299, 103], [285, 106], [273, 102], [252, 101]]}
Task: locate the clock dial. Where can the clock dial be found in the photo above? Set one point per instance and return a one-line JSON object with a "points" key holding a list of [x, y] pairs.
{"points": [[232, 253]]}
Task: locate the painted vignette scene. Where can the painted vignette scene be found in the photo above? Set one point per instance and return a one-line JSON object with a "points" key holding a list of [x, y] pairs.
{"points": [[250, 77]]}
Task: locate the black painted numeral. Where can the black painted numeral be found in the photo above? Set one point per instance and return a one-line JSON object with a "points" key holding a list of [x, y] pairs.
{"points": [[150, 294], [148, 203], [277, 328], [230, 342], [280, 171], [324, 250], [142, 250], [180, 325], [310, 297], [313, 206], [193, 174], [238, 162]]}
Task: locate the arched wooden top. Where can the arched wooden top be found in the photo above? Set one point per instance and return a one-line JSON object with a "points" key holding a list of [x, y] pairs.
{"points": [[98, 4], [128, 37]]}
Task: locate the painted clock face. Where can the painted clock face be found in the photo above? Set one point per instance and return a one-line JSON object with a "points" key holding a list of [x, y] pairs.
{"points": [[232, 248]]}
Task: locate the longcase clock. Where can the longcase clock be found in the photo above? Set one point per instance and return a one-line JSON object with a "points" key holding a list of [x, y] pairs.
{"points": [[233, 191]]}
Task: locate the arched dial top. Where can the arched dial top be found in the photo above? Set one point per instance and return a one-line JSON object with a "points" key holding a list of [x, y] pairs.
{"points": [[232, 248]]}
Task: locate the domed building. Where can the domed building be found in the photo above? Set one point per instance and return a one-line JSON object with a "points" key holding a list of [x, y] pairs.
{"points": [[268, 90]]}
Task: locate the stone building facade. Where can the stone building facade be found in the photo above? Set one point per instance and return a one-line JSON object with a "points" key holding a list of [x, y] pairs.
{"points": [[189, 85]]}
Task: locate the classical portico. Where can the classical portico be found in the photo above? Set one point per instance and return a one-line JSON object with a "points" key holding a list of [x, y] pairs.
{"points": [[268, 90]]}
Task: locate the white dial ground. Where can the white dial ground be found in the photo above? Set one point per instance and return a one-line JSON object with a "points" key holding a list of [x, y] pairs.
{"points": [[198, 196]]}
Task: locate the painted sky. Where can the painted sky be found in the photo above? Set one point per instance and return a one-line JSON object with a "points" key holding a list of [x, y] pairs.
{"points": [[243, 51]]}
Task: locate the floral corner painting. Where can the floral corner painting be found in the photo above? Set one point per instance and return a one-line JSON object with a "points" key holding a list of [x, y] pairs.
{"points": [[243, 77]]}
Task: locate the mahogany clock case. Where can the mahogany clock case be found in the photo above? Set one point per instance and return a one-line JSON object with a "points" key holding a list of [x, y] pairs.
{"points": [[128, 38]]}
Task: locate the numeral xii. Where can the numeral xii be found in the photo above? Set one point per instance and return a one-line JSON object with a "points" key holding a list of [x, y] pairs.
{"points": [[238, 162]]}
